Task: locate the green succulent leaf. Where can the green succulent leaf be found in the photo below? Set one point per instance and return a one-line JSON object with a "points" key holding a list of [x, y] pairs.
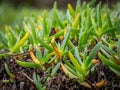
{"points": [[69, 65], [109, 19], [20, 43], [92, 54], [109, 30], [77, 56], [54, 70], [75, 63], [45, 23], [5, 55], [76, 21], [108, 50], [64, 43], [92, 3], [46, 45], [27, 64], [99, 16], [71, 10], [37, 83], [112, 65], [67, 72], [58, 19], [8, 71], [3, 39]]}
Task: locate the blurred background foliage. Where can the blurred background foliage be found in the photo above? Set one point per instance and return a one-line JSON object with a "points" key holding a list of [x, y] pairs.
{"points": [[10, 15], [13, 11], [49, 3]]}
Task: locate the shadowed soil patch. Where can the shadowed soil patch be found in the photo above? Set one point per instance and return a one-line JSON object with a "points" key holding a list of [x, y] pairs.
{"points": [[24, 77]]}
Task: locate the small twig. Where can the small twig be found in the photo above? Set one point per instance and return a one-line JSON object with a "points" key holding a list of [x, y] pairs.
{"points": [[20, 53], [27, 77], [89, 83]]}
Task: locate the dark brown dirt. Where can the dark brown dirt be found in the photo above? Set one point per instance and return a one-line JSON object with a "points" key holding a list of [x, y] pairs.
{"points": [[24, 77], [61, 82], [102, 72], [21, 81]]}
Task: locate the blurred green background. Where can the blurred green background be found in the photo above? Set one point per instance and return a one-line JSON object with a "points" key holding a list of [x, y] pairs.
{"points": [[13, 11]]}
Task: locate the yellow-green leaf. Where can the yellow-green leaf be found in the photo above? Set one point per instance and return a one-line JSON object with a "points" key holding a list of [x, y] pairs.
{"points": [[69, 74], [71, 10], [21, 42], [34, 58], [76, 21]]}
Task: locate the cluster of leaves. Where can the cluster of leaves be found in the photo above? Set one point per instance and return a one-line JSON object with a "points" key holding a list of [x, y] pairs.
{"points": [[69, 41]]}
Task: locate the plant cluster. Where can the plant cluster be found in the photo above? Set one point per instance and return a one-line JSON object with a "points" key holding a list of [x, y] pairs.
{"points": [[69, 40]]}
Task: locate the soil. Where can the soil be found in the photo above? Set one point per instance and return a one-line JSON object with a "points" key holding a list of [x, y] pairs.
{"points": [[24, 77]]}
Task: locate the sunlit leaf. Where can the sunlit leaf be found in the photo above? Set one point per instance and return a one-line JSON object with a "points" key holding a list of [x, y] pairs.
{"points": [[69, 74], [34, 58]]}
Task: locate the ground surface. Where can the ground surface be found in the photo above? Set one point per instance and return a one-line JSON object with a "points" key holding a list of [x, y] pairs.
{"points": [[24, 77]]}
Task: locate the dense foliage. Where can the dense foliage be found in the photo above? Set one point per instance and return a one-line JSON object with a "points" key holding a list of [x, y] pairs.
{"points": [[73, 41]]}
